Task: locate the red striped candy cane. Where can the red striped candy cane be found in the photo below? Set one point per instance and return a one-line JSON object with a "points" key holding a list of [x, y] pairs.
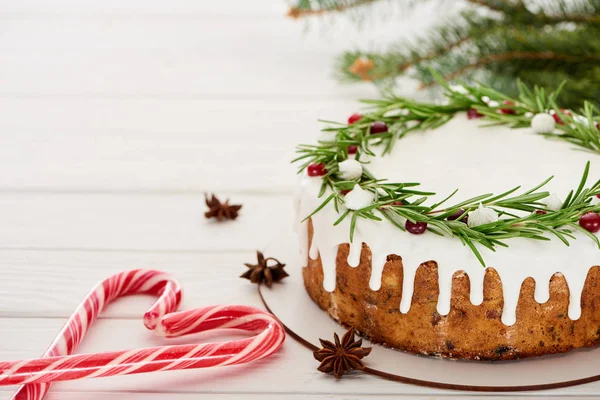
{"points": [[56, 365], [263, 344], [121, 284]]}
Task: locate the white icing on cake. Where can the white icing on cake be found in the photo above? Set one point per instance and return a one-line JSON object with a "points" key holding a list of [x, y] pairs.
{"points": [[476, 160], [358, 198]]}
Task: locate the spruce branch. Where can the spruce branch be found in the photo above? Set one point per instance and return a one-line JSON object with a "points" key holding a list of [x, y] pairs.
{"points": [[497, 5], [576, 11], [498, 59], [389, 65], [518, 55], [541, 43], [553, 12]]}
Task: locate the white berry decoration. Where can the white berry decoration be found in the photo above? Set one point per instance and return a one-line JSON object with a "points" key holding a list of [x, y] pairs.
{"points": [[358, 198], [481, 216], [459, 89], [542, 123], [580, 119], [553, 202], [396, 112], [350, 170]]}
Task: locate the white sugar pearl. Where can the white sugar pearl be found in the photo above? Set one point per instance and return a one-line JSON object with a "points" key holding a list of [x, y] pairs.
{"points": [[580, 119], [396, 112], [350, 169], [459, 89], [542, 123]]}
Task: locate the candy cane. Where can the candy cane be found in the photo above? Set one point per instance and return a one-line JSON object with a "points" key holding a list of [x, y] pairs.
{"points": [[56, 366]]}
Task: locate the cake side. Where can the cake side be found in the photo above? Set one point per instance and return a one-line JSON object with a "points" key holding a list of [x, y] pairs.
{"points": [[468, 331]]}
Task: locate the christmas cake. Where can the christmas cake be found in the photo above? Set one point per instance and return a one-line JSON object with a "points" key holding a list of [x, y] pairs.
{"points": [[495, 272]]}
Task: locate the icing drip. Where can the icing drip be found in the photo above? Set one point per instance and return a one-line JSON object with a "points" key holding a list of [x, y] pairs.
{"points": [[542, 293], [511, 163], [354, 254], [408, 286], [445, 284], [328, 258], [378, 262], [476, 278]]}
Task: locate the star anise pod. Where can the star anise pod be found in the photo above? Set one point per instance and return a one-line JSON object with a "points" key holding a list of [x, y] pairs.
{"points": [[262, 272], [341, 357], [220, 210]]}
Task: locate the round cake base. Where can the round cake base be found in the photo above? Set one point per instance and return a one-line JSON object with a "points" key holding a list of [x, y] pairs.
{"points": [[472, 332]]}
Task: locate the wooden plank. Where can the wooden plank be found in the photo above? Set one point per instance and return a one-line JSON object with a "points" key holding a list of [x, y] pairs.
{"points": [[213, 56], [375, 13], [149, 105], [248, 120], [151, 144], [138, 222], [185, 56], [293, 367], [51, 284], [158, 8]]}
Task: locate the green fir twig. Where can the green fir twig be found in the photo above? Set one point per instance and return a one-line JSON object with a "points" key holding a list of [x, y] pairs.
{"points": [[495, 41]]}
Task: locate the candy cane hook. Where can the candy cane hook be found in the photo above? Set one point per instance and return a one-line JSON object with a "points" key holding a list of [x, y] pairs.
{"points": [[57, 363], [118, 285]]}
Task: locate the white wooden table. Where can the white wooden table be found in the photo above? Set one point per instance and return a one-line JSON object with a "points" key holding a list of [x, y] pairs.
{"points": [[115, 117]]}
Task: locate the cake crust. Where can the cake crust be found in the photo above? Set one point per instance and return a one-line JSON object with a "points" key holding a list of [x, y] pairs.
{"points": [[472, 332]]}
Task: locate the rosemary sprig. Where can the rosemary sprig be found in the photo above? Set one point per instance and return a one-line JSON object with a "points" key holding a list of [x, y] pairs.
{"points": [[518, 216]]}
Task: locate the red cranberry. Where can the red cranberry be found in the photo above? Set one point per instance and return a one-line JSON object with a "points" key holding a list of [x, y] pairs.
{"points": [[541, 212], [352, 149], [557, 118], [378, 127], [508, 110], [473, 114], [590, 222], [416, 228], [354, 118], [316, 169], [457, 215], [598, 196], [345, 192]]}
